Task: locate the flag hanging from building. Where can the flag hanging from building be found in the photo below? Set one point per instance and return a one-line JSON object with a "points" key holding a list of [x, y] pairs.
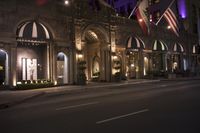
{"points": [[166, 9], [142, 15], [172, 21]]}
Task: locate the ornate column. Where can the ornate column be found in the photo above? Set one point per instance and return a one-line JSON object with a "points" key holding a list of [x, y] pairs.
{"points": [[13, 65], [77, 52]]}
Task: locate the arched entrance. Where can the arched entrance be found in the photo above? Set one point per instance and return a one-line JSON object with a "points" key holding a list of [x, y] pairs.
{"points": [[159, 58], [177, 58], [134, 57], [96, 54], [33, 51], [3, 68], [62, 69]]}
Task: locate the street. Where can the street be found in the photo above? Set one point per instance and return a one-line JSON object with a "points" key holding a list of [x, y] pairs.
{"points": [[162, 107]]}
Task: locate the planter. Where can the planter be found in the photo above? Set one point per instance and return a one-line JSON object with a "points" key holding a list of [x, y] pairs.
{"points": [[81, 79]]}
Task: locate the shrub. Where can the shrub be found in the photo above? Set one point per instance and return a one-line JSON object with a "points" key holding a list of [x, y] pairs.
{"points": [[33, 86]]}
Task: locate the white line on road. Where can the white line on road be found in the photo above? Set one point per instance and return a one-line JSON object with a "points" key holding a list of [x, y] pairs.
{"points": [[163, 85], [75, 106], [122, 116]]}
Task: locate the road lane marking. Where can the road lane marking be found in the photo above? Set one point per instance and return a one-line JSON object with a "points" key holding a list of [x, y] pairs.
{"points": [[163, 85], [121, 116], [76, 106]]}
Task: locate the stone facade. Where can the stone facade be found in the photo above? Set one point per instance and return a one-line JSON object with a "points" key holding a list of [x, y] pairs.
{"points": [[69, 34]]}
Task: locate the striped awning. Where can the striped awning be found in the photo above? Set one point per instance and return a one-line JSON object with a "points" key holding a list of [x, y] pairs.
{"points": [[178, 48], [159, 46], [32, 30], [195, 49], [135, 43]]}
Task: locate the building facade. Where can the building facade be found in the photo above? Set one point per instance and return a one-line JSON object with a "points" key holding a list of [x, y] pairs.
{"points": [[51, 41]]}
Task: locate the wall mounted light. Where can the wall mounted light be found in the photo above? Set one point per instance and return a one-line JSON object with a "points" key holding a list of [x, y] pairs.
{"points": [[66, 2], [80, 56], [168, 27], [115, 57]]}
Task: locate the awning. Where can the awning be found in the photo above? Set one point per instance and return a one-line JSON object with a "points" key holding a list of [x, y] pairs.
{"points": [[178, 48], [135, 43], [33, 30], [195, 49], [159, 46]]}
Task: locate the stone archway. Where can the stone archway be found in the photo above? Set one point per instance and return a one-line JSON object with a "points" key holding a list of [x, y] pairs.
{"points": [[3, 67], [62, 68], [95, 41]]}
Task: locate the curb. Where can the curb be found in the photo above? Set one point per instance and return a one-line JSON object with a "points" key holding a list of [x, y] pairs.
{"points": [[180, 79], [10, 104]]}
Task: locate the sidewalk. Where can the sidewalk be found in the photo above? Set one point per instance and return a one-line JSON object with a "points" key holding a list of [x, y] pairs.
{"points": [[9, 98]]}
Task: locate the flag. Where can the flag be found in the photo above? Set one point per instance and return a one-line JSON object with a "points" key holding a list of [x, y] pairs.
{"points": [[167, 9], [142, 15], [172, 20], [157, 10]]}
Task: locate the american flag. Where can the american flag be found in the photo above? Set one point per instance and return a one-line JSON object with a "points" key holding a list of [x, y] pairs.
{"points": [[172, 20], [142, 15]]}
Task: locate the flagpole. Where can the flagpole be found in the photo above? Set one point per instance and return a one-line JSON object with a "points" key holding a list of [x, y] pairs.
{"points": [[134, 9], [164, 12]]}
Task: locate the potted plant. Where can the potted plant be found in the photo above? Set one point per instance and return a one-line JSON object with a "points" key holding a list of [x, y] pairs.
{"points": [[117, 67], [81, 77]]}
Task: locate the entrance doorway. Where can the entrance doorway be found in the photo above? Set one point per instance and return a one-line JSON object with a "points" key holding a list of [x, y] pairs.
{"points": [[62, 68], [3, 67], [96, 54]]}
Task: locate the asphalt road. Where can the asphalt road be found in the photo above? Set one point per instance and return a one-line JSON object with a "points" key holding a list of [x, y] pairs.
{"points": [[162, 107]]}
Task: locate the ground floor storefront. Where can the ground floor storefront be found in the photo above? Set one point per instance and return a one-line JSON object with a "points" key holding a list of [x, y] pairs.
{"points": [[36, 58]]}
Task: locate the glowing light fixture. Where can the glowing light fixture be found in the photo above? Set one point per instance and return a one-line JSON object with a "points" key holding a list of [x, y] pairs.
{"points": [[80, 56], [182, 8], [140, 20], [55, 83], [115, 57], [66, 2], [168, 27]]}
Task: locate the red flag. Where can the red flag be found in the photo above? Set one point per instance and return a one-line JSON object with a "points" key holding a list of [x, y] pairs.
{"points": [[142, 15]]}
